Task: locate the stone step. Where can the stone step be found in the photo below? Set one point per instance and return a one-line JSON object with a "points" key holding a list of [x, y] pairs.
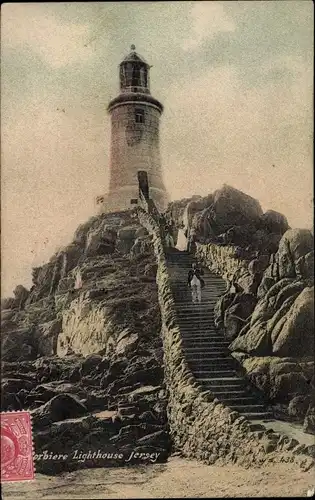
{"points": [[186, 319], [202, 308], [195, 329], [217, 346], [209, 332], [239, 401], [185, 306], [188, 330], [222, 372], [257, 415], [203, 336], [209, 286], [196, 316], [183, 281], [205, 342], [184, 298], [209, 356], [253, 408], [213, 292], [201, 349], [194, 339], [195, 324], [197, 311], [220, 394], [223, 382], [214, 369], [225, 389], [191, 333], [253, 415]]}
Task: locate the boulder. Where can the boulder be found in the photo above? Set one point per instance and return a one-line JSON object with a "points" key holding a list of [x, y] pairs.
{"points": [[150, 270], [238, 313], [142, 245], [253, 340], [249, 282], [14, 385], [274, 222], [159, 438], [309, 420], [94, 363], [298, 407], [304, 266], [100, 241], [60, 407], [80, 235], [239, 235], [125, 238], [20, 296], [193, 207], [46, 334], [126, 342], [19, 345], [141, 232], [294, 244], [46, 391], [221, 306], [280, 379], [231, 208], [7, 303], [295, 335], [259, 264], [275, 325]]}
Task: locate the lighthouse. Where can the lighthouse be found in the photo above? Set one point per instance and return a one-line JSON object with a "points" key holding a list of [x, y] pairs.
{"points": [[135, 144]]}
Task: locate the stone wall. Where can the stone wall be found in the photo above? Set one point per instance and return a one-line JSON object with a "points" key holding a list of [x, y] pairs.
{"points": [[200, 426], [223, 260]]}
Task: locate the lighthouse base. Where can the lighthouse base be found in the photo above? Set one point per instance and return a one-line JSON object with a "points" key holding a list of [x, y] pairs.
{"points": [[127, 198]]}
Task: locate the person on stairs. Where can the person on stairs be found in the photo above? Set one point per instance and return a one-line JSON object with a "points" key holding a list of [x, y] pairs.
{"points": [[195, 282]]}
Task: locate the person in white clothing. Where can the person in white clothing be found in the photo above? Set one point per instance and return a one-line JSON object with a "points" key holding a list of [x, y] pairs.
{"points": [[196, 283]]}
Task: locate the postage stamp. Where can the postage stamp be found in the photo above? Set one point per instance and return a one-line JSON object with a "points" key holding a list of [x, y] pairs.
{"points": [[16, 446]]}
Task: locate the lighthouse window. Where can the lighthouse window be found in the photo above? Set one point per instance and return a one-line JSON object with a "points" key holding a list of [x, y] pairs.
{"points": [[139, 116]]}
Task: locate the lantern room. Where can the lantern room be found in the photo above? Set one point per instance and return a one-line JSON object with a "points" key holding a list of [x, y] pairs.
{"points": [[134, 74]]}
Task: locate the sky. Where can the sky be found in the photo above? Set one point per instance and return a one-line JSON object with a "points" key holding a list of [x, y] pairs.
{"points": [[236, 81]]}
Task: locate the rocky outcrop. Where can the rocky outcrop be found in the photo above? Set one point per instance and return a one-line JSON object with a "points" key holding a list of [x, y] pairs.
{"points": [[279, 316], [268, 308], [83, 351], [200, 426], [228, 217]]}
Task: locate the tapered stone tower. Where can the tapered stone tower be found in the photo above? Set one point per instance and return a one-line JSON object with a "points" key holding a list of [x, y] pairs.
{"points": [[135, 120]]}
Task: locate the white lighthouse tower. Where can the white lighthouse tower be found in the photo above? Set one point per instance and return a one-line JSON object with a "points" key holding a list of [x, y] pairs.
{"points": [[135, 121]]}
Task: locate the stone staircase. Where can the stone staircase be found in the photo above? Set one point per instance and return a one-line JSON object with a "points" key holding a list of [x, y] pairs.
{"points": [[206, 349]]}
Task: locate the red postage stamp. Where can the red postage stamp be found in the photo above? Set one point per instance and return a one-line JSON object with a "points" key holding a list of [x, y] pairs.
{"points": [[16, 446]]}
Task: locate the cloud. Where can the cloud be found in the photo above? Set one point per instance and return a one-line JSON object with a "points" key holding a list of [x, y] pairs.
{"points": [[57, 43], [208, 19], [256, 139], [232, 109]]}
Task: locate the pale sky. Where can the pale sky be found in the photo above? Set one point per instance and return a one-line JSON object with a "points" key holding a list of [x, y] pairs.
{"points": [[236, 80]]}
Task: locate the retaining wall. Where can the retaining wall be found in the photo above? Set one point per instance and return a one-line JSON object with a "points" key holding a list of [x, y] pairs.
{"points": [[201, 427]]}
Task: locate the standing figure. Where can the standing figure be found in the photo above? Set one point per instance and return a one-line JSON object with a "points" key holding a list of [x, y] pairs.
{"points": [[196, 283], [192, 236]]}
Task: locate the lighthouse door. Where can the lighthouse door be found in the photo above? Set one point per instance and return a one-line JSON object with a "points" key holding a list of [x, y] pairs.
{"points": [[143, 184]]}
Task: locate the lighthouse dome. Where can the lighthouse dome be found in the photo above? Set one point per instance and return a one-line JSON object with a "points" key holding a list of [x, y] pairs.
{"points": [[133, 56], [134, 73]]}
